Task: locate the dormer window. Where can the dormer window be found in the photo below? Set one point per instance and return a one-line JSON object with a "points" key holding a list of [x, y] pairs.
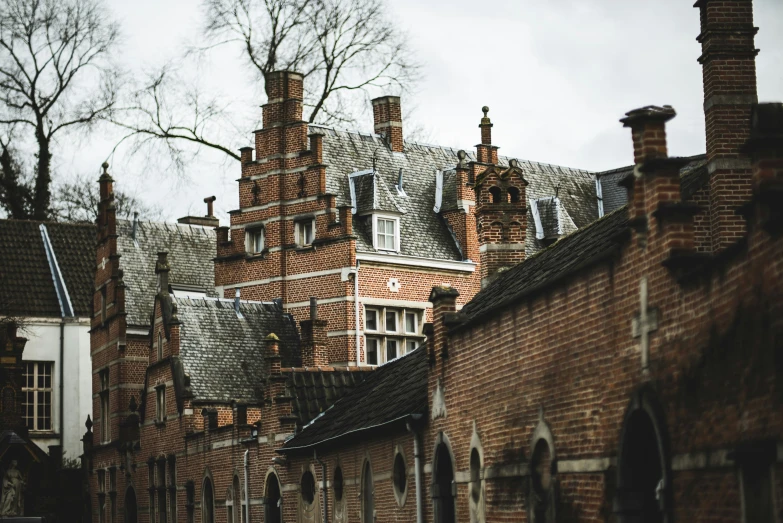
{"points": [[254, 240], [304, 232], [387, 233]]}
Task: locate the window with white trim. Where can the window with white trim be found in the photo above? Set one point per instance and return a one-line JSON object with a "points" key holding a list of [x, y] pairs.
{"points": [[386, 235], [390, 332], [304, 232], [254, 240], [37, 388]]}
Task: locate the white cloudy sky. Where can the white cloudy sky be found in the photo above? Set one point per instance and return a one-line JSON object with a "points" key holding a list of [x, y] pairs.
{"points": [[557, 76]]}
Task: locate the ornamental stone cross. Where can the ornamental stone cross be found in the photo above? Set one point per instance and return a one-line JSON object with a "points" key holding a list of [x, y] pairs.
{"points": [[645, 323], [103, 263]]}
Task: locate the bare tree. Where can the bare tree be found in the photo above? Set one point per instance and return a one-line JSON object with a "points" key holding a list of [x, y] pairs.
{"points": [[344, 48], [77, 201], [55, 76]]}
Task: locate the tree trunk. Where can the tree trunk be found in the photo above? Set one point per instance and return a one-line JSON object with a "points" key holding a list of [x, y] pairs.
{"points": [[43, 178], [14, 194]]}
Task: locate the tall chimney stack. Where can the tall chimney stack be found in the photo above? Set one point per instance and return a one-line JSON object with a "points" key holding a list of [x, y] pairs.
{"points": [[729, 71], [387, 116]]}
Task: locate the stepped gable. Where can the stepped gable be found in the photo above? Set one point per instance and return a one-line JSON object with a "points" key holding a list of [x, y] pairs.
{"points": [[224, 353], [316, 389], [191, 249], [570, 254], [424, 232], [26, 285], [390, 394]]}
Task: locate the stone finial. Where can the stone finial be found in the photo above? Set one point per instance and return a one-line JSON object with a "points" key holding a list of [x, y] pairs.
{"points": [[105, 166], [88, 424], [461, 157], [272, 337]]}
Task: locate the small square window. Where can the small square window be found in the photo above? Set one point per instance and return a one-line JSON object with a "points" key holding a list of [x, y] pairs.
{"points": [[305, 232], [392, 346], [373, 346], [411, 323], [410, 346], [371, 320], [391, 321], [254, 240]]}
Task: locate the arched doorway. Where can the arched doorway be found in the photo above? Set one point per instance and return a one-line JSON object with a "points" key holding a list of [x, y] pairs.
{"points": [[643, 471], [443, 486], [131, 510], [273, 503]]}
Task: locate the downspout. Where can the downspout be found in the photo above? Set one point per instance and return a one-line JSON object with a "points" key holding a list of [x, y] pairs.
{"points": [[62, 382], [323, 475], [356, 312], [417, 467], [247, 487]]}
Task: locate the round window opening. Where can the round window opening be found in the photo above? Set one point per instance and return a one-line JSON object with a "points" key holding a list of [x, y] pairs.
{"points": [[475, 482], [308, 487], [338, 484], [542, 468], [400, 475]]}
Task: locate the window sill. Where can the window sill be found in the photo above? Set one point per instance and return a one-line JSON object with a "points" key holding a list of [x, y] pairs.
{"points": [[160, 423], [256, 255], [304, 248]]}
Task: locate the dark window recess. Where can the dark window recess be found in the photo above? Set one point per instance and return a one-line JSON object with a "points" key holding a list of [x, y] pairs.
{"points": [[338, 484], [400, 474], [307, 486]]}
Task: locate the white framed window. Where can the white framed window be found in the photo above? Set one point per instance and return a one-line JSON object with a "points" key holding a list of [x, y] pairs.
{"points": [[37, 388], [254, 240], [304, 231], [390, 332], [386, 231], [160, 407]]}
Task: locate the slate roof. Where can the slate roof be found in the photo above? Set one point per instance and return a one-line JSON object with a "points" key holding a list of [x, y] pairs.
{"points": [[424, 233], [567, 256], [315, 390], [224, 354], [26, 284], [190, 247], [393, 392]]}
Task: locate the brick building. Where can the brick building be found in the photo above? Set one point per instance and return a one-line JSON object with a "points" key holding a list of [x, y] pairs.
{"points": [[569, 369]]}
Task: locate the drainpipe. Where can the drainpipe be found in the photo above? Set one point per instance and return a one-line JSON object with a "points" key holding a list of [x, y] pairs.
{"points": [[323, 474], [417, 466], [247, 487], [356, 305], [62, 382]]}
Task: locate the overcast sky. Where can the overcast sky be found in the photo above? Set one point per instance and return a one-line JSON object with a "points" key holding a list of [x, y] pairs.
{"points": [[557, 76]]}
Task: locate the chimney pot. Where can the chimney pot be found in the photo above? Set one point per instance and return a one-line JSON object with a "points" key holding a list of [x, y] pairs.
{"points": [[210, 200]]}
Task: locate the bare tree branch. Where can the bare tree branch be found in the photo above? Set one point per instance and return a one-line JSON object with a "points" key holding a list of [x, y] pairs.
{"points": [[55, 74]]}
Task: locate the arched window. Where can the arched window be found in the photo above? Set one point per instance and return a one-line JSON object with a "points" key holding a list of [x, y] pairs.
{"points": [[400, 478], [368, 497], [207, 502], [475, 475], [239, 514], [495, 195], [307, 486], [273, 511], [443, 486], [513, 194], [541, 498], [338, 484], [131, 510]]}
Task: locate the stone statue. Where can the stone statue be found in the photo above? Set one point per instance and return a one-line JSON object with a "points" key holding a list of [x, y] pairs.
{"points": [[12, 503]]}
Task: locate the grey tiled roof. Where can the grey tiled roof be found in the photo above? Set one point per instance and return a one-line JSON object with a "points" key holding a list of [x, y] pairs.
{"points": [[392, 392], [26, 284], [423, 232], [224, 354], [191, 249]]}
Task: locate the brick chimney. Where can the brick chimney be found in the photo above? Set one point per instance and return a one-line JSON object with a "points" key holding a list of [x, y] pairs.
{"points": [[387, 117], [655, 196], [729, 74], [485, 151], [314, 347]]}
